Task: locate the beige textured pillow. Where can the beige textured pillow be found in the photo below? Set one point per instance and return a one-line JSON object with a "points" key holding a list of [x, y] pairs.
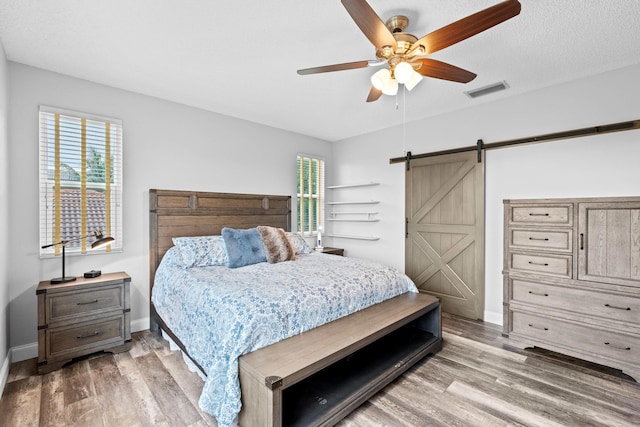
{"points": [[276, 244]]}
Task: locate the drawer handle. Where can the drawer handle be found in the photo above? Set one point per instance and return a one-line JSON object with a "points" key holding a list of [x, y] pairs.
{"points": [[619, 308], [542, 328], [95, 334], [87, 302], [538, 214], [544, 264], [539, 294], [545, 239], [617, 346]]}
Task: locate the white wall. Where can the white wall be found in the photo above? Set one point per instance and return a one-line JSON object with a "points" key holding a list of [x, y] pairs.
{"points": [[166, 145], [603, 165], [4, 223]]}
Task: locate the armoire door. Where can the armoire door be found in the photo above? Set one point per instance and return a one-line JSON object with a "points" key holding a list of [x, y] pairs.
{"points": [[444, 252], [609, 242]]}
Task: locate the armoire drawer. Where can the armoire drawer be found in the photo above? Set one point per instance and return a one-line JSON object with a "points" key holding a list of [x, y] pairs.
{"points": [[558, 240], [607, 306], [561, 214], [582, 338], [556, 265]]}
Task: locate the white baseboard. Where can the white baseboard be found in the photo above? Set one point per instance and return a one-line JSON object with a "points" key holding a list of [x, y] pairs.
{"points": [[140, 324], [24, 352], [4, 371], [493, 317]]}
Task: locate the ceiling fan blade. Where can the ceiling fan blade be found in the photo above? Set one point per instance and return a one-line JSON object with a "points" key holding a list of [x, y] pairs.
{"points": [[374, 94], [370, 23], [441, 70], [335, 67], [467, 27]]}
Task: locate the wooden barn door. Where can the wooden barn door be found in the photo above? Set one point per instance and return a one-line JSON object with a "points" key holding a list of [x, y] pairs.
{"points": [[444, 253]]}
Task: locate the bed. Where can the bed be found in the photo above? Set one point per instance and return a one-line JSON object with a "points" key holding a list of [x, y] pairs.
{"points": [[281, 332]]}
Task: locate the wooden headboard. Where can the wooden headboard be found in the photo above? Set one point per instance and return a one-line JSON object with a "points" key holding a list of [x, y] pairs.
{"points": [[194, 213]]}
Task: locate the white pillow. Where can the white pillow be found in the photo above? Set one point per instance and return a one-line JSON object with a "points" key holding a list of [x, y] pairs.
{"points": [[202, 251], [298, 243]]}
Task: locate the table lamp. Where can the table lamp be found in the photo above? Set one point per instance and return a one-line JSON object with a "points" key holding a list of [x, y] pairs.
{"points": [[101, 240]]}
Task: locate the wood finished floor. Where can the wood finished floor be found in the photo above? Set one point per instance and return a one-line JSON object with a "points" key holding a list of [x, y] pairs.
{"points": [[476, 380]]}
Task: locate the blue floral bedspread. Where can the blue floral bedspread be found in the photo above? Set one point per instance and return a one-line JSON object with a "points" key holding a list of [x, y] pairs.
{"points": [[220, 313]]}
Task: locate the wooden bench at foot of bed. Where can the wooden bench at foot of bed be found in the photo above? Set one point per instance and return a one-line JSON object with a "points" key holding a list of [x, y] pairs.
{"points": [[320, 376]]}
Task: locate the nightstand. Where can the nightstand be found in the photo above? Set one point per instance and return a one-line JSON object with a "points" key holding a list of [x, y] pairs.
{"points": [[82, 317], [332, 251]]}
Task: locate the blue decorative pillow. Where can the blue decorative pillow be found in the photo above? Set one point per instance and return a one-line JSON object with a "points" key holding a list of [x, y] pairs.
{"points": [[244, 247], [299, 244], [201, 251]]}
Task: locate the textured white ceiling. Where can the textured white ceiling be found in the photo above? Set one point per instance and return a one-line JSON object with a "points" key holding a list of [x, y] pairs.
{"points": [[240, 58]]}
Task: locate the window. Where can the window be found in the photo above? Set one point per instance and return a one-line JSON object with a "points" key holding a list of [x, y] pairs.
{"points": [[310, 195], [80, 180]]}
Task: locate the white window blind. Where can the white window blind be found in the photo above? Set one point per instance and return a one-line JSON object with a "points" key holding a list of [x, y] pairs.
{"points": [[310, 205], [80, 180]]}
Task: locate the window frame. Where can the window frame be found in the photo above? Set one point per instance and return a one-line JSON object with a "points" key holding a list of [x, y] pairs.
{"points": [[318, 213], [70, 143]]}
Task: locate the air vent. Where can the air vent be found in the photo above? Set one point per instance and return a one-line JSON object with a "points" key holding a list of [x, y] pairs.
{"points": [[487, 89]]}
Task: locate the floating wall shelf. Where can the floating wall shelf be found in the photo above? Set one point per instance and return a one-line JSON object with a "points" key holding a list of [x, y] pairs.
{"points": [[353, 216], [366, 184], [361, 202], [354, 220], [347, 236]]}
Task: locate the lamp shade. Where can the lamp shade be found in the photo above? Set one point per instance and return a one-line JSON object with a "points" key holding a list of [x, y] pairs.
{"points": [[101, 240], [403, 72], [390, 87], [413, 81], [380, 77]]}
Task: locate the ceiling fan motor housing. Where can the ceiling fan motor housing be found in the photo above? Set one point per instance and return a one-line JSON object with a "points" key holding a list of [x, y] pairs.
{"points": [[396, 25]]}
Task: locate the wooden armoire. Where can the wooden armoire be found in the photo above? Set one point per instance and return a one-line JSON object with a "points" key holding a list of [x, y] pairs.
{"points": [[572, 278]]}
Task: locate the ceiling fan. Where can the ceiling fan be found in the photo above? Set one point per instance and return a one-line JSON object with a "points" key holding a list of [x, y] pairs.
{"points": [[407, 56]]}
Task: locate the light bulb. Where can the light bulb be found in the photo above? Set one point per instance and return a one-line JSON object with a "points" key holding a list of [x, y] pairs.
{"points": [[413, 81], [380, 77], [390, 87], [403, 72]]}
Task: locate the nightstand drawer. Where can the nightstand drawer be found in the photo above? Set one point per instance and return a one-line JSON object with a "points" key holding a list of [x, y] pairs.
{"points": [[84, 336], [544, 214], [559, 265], [90, 301], [557, 240]]}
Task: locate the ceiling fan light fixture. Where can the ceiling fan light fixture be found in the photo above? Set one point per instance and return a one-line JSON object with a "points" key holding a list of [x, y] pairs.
{"points": [[403, 72], [379, 78], [413, 81], [390, 87]]}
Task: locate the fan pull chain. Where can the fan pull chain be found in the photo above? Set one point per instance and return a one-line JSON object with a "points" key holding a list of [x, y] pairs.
{"points": [[404, 120]]}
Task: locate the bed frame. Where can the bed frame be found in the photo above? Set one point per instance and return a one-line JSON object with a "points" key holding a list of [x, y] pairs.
{"points": [[319, 376]]}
